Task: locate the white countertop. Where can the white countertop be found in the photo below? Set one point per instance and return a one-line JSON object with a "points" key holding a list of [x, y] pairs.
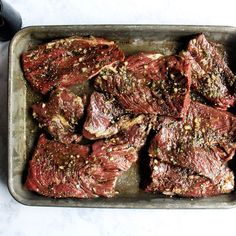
{"points": [[19, 220]]}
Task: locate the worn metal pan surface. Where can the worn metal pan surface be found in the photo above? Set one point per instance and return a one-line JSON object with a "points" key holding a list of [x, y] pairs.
{"points": [[23, 131]]}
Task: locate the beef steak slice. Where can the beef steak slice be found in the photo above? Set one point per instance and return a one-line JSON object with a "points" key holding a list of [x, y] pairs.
{"points": [[70, 170], [122, 148], [174, 180], [115, 155], [203, 142], [105, 117], [211, 76], [137, 62], [68, 61], [67, 170], [60, 115], [53, 170], [150, 84]]}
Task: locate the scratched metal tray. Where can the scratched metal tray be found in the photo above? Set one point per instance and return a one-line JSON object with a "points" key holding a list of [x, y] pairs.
{"points": [[23, 131]]}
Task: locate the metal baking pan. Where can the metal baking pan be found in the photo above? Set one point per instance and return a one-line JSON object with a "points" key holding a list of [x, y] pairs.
{"points": [[23, 131]]}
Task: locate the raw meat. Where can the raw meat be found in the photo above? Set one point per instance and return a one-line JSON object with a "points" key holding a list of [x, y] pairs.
{"points": [[104, 117], [60, 115], [69, 170], [150, 84], [174, 180], [203, 142], [68, 61], [211, 76], [53, 170], [115, 155], [189, 154]]}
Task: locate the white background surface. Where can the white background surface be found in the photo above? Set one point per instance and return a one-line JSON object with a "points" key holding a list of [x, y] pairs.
{"points": [[19, 220]]}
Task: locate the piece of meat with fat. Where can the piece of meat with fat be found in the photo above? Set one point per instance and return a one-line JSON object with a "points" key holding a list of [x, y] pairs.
{"points": [[149, 84], [122, 149], [211, 76], [68, 61], [174, 180], [70, 170], [60, 115], [203, 142], [105, 117], [117, 154]]}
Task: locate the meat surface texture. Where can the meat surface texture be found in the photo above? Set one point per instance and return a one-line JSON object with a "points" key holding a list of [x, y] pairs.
{"points": [[203, 142], [174, 180], [68, 61], [171, 107], [149, 84], [104, 117], [115, 155], [211, 76], [71, 170], [53, 170], [60, 115]]}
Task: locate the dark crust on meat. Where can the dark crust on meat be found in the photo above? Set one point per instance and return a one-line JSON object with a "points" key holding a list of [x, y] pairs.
{"points": [[68, 61], [160, 86], [174, 180], [203, 142], [60, 115], [211, 76]]}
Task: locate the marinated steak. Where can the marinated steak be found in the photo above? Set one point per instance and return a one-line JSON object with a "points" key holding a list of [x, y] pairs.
{"points": [[104, 117], [190, 142], [60, 115], [211, 76], [203, 142], [159, 86], [53, 170], [122, 149], [114, 156], [143, 63], [174, 180], [68, 61], [69, 170]]}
